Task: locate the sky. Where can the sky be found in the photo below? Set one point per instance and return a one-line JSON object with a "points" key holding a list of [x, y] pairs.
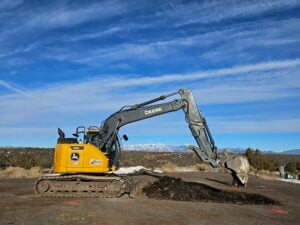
{"points": [[71, 63]]}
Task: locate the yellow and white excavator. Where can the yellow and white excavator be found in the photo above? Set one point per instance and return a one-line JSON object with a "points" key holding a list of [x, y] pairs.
{"points": [[86, 168]]}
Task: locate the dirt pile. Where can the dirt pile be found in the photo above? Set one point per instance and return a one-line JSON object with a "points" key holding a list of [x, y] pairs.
{"points": [[169, 188]]}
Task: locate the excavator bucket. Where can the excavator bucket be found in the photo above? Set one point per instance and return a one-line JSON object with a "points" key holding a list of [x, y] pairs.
{"points": [[239, 167]]}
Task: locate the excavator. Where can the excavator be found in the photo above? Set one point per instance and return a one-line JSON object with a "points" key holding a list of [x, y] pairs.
{"points": [[87, 167]]}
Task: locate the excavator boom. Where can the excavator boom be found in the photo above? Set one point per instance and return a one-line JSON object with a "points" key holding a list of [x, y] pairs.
{"points": [[206, 149]]}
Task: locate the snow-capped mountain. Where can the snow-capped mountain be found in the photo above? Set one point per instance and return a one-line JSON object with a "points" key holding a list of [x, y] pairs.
{"points": [[159, 147]]}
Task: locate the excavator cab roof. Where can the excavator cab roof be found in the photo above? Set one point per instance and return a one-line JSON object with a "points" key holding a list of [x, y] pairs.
{"points": [[92, 129]]}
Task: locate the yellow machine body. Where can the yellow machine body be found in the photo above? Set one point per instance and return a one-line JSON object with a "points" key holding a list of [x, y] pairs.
{"points": [[79, 158]]}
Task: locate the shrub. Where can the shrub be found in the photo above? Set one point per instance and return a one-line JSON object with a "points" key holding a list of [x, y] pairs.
{"points": [[260, 161], [3, 160], [23, 160], [26, 157]]}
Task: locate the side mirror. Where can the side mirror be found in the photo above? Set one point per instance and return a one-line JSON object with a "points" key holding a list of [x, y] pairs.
{"points": [[125, 137], [75, 135]]}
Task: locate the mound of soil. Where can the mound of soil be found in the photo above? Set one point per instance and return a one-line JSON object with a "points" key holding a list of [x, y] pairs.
{"points": [[170, 188]]}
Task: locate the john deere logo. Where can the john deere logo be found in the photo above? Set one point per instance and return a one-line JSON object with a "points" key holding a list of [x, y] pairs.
{"points": [[74, 156], [152, 111]]}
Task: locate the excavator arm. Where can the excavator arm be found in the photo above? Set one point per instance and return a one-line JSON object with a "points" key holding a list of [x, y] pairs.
{"points": [[206, 149]]}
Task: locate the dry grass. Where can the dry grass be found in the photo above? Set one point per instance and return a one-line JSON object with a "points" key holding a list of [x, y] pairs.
{"points": [[17, 172], [264, 174]]}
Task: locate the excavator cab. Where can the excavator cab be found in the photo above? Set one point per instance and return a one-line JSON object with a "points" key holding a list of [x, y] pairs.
{"points": [[86, 136], [91, 135]]}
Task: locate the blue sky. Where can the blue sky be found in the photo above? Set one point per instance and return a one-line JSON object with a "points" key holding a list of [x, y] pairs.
{"points": [[70, 63]]}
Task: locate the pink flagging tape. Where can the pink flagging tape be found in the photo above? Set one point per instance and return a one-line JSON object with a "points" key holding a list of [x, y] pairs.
{"points": [[280, 211]]}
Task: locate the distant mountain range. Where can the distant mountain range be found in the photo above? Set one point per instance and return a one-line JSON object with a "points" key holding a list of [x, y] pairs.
{"points": [[292, 152], [181, 148], [155, 148]]}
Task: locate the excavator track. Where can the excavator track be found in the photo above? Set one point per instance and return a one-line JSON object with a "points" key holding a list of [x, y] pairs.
{"points": [[111, 186]]}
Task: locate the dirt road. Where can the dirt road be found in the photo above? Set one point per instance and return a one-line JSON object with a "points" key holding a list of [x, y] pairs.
{"points": [[19, 205]]}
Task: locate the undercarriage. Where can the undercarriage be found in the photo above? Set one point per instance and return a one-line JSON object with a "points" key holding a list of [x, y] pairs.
{"points": [[79, 185]]}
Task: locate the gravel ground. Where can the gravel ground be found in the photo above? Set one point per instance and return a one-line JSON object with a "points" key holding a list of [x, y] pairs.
{"points": [[19, 205]]}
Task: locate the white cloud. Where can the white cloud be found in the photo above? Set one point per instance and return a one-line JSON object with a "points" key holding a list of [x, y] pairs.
{"points": [[68, 103], [273, 65]]}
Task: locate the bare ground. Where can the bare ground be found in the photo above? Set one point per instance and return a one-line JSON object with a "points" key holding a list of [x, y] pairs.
{"points": [[19, 205]]}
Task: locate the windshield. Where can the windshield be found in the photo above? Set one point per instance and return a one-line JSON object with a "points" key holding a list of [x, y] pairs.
{"points": [[92, 138]]}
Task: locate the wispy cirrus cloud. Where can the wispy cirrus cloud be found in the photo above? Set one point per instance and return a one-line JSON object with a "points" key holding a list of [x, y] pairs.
{"points": [[213, 46], [245, 41], [66, 16], [94, 35], [19, 50], [55, 103], [10, 87], [237, 70], [213, 11], [58, 15]]}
